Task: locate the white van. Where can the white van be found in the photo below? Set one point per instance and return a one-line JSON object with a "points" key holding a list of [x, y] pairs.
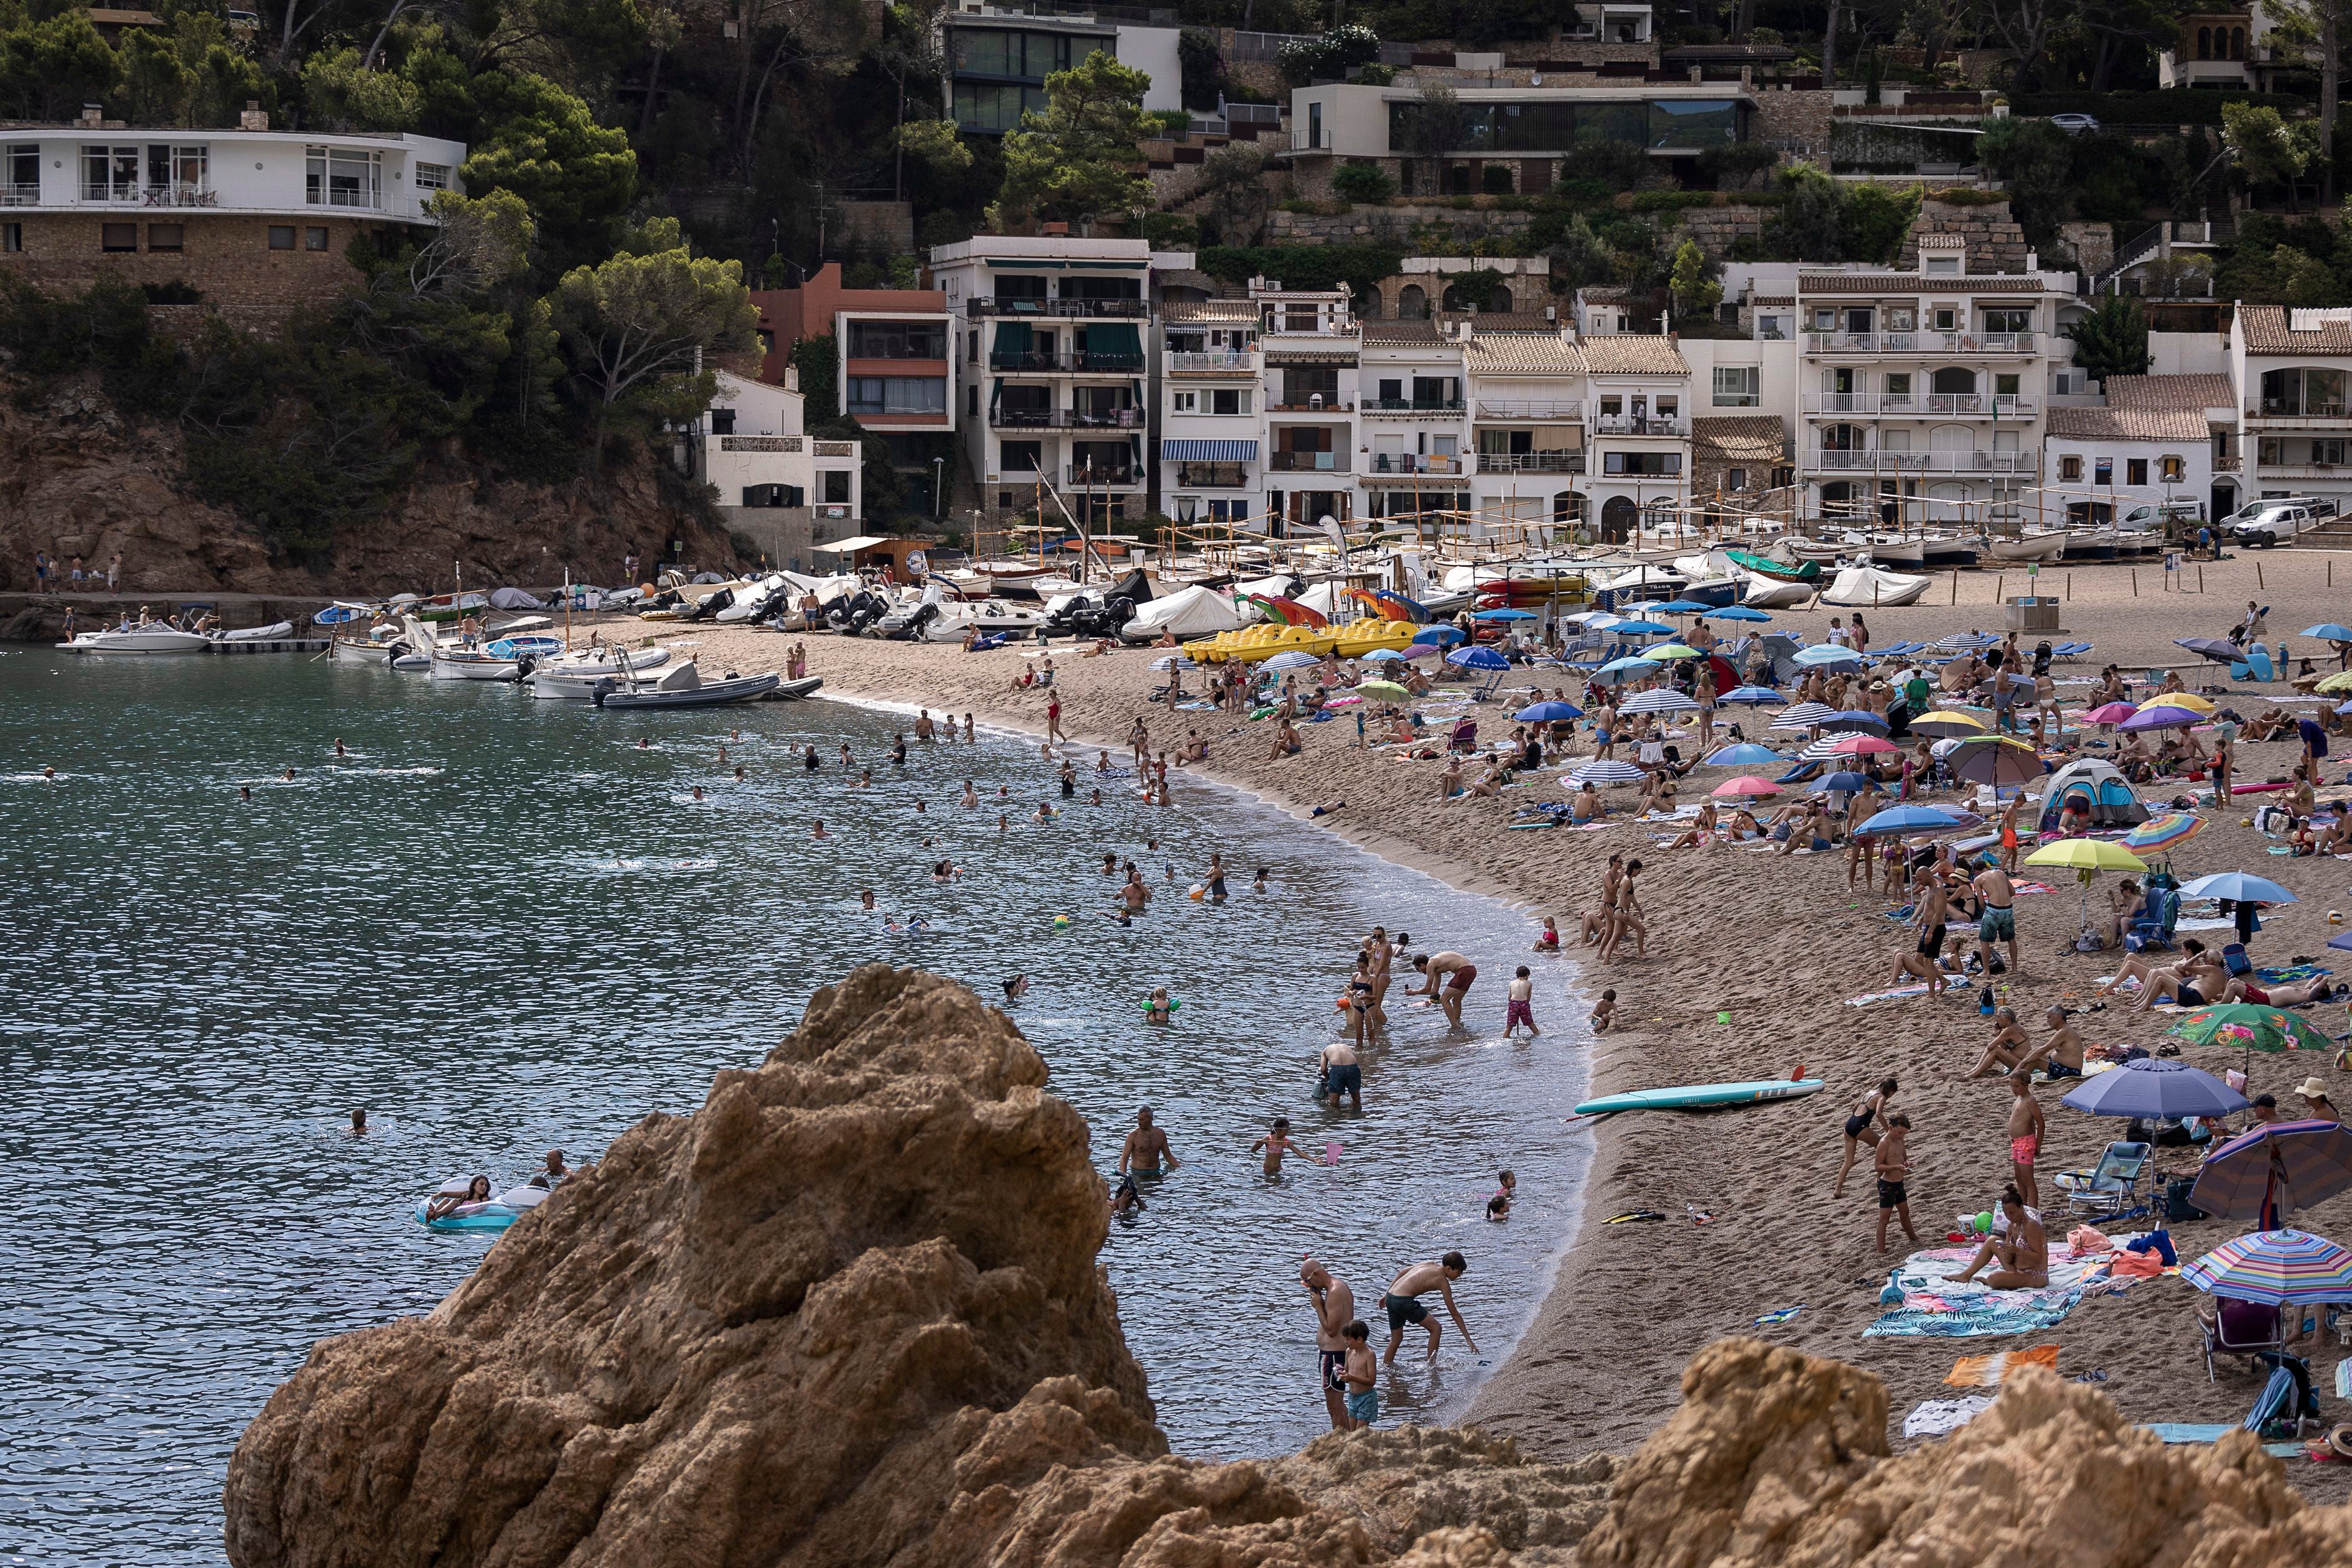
{"points": [[2267, 524]]}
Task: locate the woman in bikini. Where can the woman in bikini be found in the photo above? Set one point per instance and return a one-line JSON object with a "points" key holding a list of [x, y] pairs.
{"points": [[1703, 832], [1862, 1129]]}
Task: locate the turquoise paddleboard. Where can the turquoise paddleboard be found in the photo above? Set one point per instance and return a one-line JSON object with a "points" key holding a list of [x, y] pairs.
{"points": [[1702, 1095]]}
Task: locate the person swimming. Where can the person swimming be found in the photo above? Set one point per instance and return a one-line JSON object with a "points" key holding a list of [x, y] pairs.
{"points": [[1159, 1009]]}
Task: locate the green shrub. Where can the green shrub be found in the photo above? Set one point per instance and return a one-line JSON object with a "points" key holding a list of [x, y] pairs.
{"points": [[1376, 74], [1671, 200], [1362, 182], [1967, 196], [1170, 124], [1171, 231], [1583, 191]]}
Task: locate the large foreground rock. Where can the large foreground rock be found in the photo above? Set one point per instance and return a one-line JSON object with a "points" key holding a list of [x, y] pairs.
{"points": [[849, 1313]]}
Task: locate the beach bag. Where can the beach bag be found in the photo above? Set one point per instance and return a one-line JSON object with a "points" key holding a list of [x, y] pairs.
{"points": [[2234, 959], [2177, 1206]]}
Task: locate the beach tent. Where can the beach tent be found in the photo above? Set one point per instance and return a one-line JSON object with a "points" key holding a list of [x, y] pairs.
{"points": [[2112, 801], [1867, 587], [1194, 612]]}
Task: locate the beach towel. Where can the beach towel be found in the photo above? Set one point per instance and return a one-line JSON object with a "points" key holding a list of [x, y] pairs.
{"points": [[2196, 1432], [1973, 1309], [1935, 1418], [1987, 1371], [1897, 993]]}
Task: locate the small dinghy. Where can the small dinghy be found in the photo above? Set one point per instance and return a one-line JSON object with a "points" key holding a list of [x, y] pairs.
{"points": [[687, 688]]}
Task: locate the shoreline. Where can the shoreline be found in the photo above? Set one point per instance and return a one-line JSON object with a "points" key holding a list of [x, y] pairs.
{"points": [[1398, 856]]}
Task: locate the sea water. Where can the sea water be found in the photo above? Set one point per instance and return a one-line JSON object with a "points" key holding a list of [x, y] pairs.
{"points": [[505, 926]]}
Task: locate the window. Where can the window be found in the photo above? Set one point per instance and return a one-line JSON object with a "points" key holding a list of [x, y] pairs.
{"points": [[1946, 317], [2270, 451], [836, 486], [281, 236], [1229, 401], [1019, 457], [175, 175], [774, 495], [1898, 387], [972, 348], [722, 422], [2172, 469], [336, 178], [2070, 468], [1943, 265], [1734, 478], [994, 107], [972, 402], [898, 395], [2327, 454], [898, 339], [1773, 329], [314, 237], [431, 176], [1314, 125], [118, 236], [1642, 463], [1737, 386], [2305, 392], [24, 176], [2136, 470], [1902, 319], [166, 237], [2104, 472], [109, 173], [12, 239], [2004, 385]]}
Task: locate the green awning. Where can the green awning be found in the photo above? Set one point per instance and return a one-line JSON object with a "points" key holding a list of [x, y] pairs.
{"points": [[1114, 338], [1109, 266], [1026, 266], [1013, 338]]}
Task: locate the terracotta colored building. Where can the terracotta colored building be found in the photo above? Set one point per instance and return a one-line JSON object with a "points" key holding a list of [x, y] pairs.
{"points": [[891, 370]]}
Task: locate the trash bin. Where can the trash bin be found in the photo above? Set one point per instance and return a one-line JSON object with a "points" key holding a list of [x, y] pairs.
{"points": [[2033, 613]]}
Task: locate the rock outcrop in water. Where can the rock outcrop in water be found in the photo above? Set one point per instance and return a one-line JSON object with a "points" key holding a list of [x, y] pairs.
{"points": [[850, 1314]]}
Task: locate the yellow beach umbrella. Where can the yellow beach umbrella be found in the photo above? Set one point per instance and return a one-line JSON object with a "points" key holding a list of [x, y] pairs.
{"points": [[2187, 699], [2340, 682], [1671, 650], [2086, 855], [1944, 724]]}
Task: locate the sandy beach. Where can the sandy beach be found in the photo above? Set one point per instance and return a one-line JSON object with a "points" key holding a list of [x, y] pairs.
{"points": [[1776, 946]]}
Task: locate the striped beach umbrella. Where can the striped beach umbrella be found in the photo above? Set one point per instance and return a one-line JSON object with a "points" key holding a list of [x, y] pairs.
{"points": [[1821, 654], [1803, 716], [1967, 640], [2159, 834], [1292, 658], [2274, 1267], [2311, 1161], [1663, 700], [1605, 773], [1754, 697]]}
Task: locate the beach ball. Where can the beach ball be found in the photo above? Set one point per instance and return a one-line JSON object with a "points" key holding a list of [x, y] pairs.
{"points": [[2335, 917], [1984, 1222], [1061, 922], [1197, 893]]}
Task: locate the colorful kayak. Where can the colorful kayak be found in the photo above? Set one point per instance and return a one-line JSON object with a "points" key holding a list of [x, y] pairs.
{"points": [[1702, 1095]]}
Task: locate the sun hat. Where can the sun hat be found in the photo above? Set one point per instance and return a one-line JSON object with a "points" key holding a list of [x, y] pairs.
{"points": [[2339, 1439], [2312, 1088]]}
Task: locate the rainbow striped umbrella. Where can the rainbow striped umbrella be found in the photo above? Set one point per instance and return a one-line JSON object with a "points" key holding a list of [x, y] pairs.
{"points": [[2274, 1267], [2164, 832]]}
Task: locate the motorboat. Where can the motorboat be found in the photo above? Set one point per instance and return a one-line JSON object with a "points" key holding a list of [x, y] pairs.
{"points": [[793, 690], [987, 617], [574, 677], [753, 602], [911, 612], [155, 636], [684, 686], [445, 607], [1805, 571], [2046, 544], [1779, 594], [1870, 588], [469, 664], [1892, 551], [257, 634]]}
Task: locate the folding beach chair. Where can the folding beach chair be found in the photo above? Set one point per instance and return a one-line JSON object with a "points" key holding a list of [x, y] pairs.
{"points": [[2287, 1399], [2153, 926], [1803, 773], [2239, 1328], [2111, 1189], [1463, 736]]}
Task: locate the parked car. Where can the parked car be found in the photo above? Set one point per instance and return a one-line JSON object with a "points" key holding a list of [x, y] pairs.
{"points": [[2271, 525], [2074, 124]]}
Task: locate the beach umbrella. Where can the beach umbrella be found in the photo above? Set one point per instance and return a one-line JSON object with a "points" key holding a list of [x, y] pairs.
{"points": [[1550, 713], [1856, 719], [1174, 661], [1443, 635], [2243, 887], [1862, 746], [2162, 716], [1967, 640], [1424, 649], [1477, 658], [2248, 1026], [1735, 613], [1665, 700], [1839, 783], [2161, 833], [2155, 1088], [1622, 669], [2329, 630], [1666, 651], [2086, 855], [2188, 700], [1384, 692], [1826, 653], [1995, 760], [1605, 773], [2274, 1267], [1803, 716], [1746, 754], [1643, 628], [1747, 784], [1905, 820], [1943, 724], [1292, 658], [1503, 616], [2340, 682], [1681, 608], [1754, 697], [1384, 655], [2107, 713], [1591, 620], [2221, 650], [2309, 1161], [1643, 606]]}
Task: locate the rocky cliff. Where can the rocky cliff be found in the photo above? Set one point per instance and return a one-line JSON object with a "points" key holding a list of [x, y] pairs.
{"points": [[849, 1313], [78, 478]]}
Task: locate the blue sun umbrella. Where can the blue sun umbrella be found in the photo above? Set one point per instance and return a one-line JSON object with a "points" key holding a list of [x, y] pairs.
{"points": [[1745, 754], [1477, 658], [1680, 607], [1550, 713], [1384, 655], [1839, 783], [1736, 613], [1644, 628], [1444, 637], [2329, 630], [2243, 887], [1755, 696], [1621, 669], [2153, 1089], [1907, 819], [1856, 721], [1825, 653], [1504, 615]]}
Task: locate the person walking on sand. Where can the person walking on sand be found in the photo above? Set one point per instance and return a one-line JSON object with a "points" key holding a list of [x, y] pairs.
{"points": [[2026, 1126], [1335, 1308], [1862, 1129], [2009, 833], [1456, 972], [1999, 922], [1145, 1148], [1402, 1303], [1891, 1165], [1053, 718]]}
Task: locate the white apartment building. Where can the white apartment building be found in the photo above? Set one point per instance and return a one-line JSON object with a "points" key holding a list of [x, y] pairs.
{"points": [[1415, 440], [2289, 368], [998, 58], [1056, 366], [1312, 345], [775, 482], [2154, 440], [1212, 412], [1526, 393]]}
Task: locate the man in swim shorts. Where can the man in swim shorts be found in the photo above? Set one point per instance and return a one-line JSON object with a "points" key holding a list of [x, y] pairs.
{"points": [[1145, 1148], [2025, 1128], [1335, 1308], [1342, 1074], [1999, 922], [1456, 972], [1402, 1303]]}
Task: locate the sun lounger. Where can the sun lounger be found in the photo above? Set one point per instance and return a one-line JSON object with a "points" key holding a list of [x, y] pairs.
{"points": [[2071, 650], [2110, 1190], [2239, 1328], [1899, 650], [1803, 773]]}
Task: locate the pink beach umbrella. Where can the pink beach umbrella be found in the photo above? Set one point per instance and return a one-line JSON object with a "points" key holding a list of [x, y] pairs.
{"points": [[1747, 786], [2109, 714], [1862, 746]]}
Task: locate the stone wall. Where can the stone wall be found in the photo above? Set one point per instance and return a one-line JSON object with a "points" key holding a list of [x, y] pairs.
{"points": [[1799, 118], [1395, 224], [1715, 228], [1995, 242], [2092, 243], [1528, 278], [228, 257]]}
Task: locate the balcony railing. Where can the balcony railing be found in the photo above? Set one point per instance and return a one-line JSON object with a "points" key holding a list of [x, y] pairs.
{"points": [[1504, 408], [1102, 310], [1414, 463], [1212, 475], [1999, 404], [2272, 408], [20, 195], [836, 449], [1919, 342], [1531, 462], [1064, 419], [1410, 405], [1080, 362], [1080, 476], [1328, 406], [1822, 460], [1193, 361], [1645, 425], [167, 195], [1307, 462], [760, 442]]}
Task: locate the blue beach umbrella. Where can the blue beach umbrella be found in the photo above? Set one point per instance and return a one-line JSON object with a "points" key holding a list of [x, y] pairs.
{"points": [[1618, 670], [2155, 1088], [1755, 696], [1839, 783], [1856, 721], [1680, 607], [1745, 754], [1477, 658], [1550, 713], [2243, 887], [1825, 653], [1444, 637], [1736, 613], [1384, 655], [1907, 819], [2329, 630], [1644, 628], [1504, 615]]}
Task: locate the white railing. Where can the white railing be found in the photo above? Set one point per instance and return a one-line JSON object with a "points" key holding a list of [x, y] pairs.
{"points": [[760, 442], [836, 449], [20, 195], [1531, 462], [1649, 425], [1881, 460], [1999, 404], [1190, 362], [1920, 343], [1558, 408]]}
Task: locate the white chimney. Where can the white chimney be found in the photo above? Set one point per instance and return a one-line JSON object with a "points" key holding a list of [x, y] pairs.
{"points": [[792, 378]]}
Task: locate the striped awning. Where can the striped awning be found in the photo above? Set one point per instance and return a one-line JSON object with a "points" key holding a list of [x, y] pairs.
{"points": [[1208, 451]]}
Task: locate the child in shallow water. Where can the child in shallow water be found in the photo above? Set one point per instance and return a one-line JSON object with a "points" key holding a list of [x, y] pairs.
{"points": [[1361, 1372]]}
